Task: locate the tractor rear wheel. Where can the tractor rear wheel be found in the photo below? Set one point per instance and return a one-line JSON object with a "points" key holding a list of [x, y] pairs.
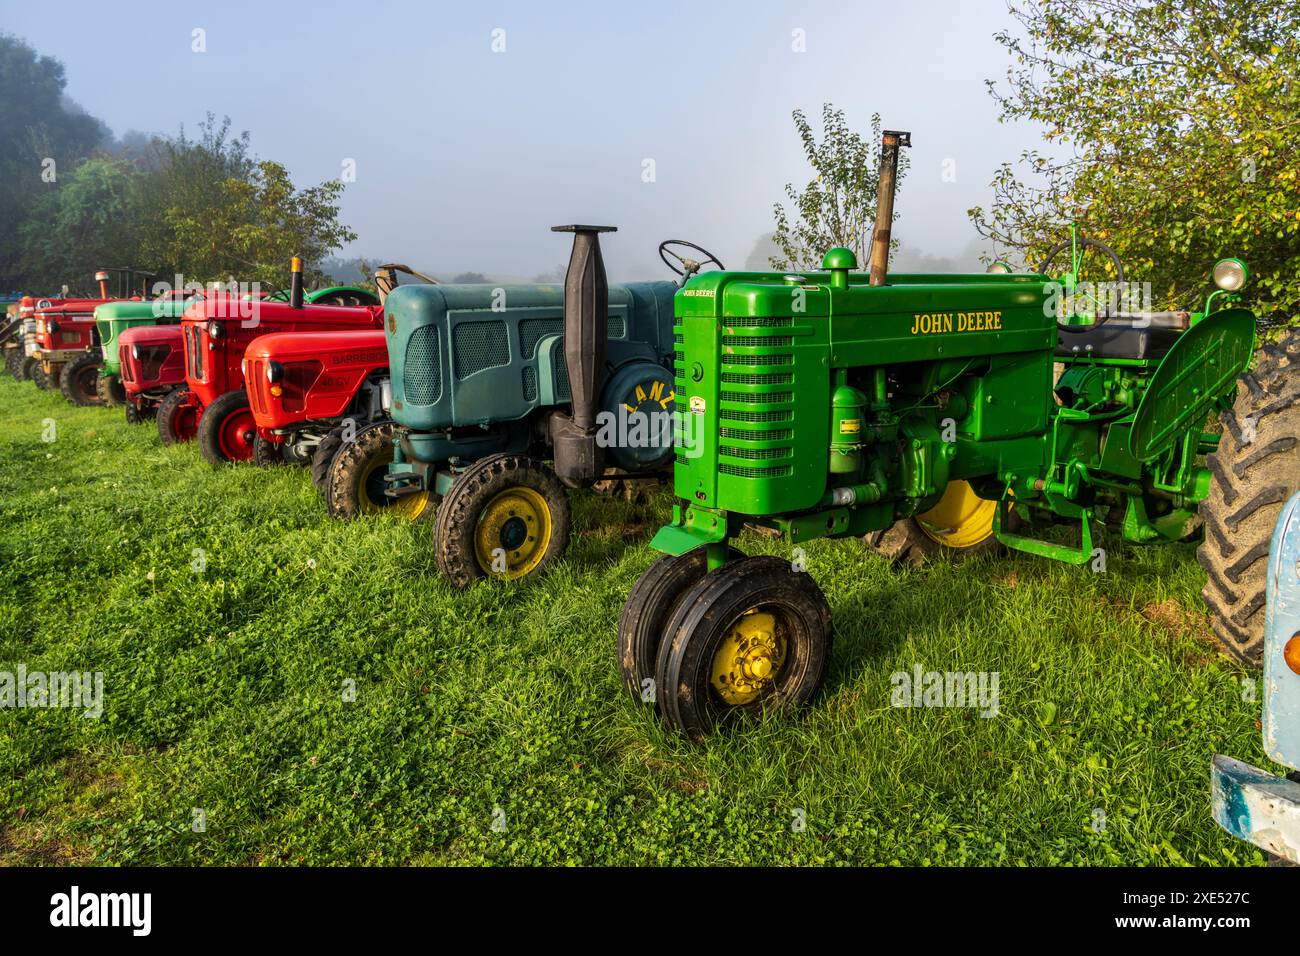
{"points": [[961, 525], [110, 390], [178, 417], [1256, 469], [14, 363], [80, 383], [355, 483], [506, 517], [226, 429], [649, 605], [323, 457], [753, 636]]}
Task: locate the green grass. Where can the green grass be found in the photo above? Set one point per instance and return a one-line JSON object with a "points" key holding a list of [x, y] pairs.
{"points": [[224, 691]]}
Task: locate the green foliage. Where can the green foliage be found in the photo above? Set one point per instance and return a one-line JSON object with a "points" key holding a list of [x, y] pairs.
{"points": [[838, 206], [224, 690], [1178, 139]]}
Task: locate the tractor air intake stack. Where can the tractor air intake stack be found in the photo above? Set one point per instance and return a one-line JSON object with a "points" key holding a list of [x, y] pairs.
{"points": [[102, 278], [295, 283], [890, 143], [586, 317]]}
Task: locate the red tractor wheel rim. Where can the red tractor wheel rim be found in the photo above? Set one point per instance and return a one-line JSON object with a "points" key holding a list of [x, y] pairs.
{"points": [[236, 434], [185, 422]]}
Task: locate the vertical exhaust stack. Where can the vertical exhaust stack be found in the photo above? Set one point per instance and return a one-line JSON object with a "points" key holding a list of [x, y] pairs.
{"points": [[102, 278], [890, 143], [295, 282], [586, 315]]}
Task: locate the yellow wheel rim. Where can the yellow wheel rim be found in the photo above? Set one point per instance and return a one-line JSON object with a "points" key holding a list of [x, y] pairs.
{"points": [[513, 533], [370, 486], [749, 659], [961, 519]]}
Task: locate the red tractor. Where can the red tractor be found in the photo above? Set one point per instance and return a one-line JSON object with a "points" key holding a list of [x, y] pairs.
{"points": [[152, 359], [65, 344], [215, 332]]}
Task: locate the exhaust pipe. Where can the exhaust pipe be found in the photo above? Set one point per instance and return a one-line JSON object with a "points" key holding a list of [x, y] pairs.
{"points": [[890, 143], [586, 315], [295, 282]]}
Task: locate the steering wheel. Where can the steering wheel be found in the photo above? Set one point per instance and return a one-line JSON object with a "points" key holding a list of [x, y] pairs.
{"points": [[689, 266], [1093, 303]]}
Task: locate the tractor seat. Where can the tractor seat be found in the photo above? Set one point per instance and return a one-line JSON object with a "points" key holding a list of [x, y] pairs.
{"points": [[1125, 336]]}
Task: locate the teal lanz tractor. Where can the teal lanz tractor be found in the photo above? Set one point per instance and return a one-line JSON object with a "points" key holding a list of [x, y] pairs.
{"points": [[923, 409], [489, 384]]}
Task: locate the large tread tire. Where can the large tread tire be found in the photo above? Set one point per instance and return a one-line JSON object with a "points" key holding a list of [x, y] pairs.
{"points": [[221, 438], [41, 377], [110, 390], [175, 417], [354, 487], [323, 457], [14, 360], [134, 416], [29, 369], [706, 614], [1256, 469], [80, 383], [267, 453], [458, 516]]}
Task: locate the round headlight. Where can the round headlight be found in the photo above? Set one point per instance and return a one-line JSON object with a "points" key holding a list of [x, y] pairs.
{"points": [[1230, 274], [274, 372], [215, 330], [135, 352], [999, 268]]}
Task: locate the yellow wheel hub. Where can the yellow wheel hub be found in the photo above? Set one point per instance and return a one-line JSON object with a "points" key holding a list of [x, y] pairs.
{"points": [[513, 533], [749, 659], [961, 519], [371, 489]]}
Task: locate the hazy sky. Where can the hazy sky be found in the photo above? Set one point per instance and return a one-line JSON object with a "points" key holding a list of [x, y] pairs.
{"points": [[465, 157]]}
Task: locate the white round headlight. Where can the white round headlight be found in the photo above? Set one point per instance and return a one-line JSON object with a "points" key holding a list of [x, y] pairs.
{"points": [[1230, 274], [999, 268]]}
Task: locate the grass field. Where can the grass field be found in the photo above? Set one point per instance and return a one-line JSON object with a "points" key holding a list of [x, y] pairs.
{"points": [[491, 726]]}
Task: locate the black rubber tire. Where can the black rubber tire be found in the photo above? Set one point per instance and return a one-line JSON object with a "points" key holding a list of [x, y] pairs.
{"points": [[14, 360], [267, 453], [704, 616], [166, 414], [110, 390], [349, 466], [29, 369], [210, 423], [323, 457], [56, 377], [649, 605], [41, 377], [134, 415], [458, 514], [80, 384], [1252, 481]]}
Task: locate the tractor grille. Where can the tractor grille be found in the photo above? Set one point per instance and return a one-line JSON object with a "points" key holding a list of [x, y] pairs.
{"points": [[124, 362], [194, 352], [253, 386], [479, 346], [753, 366], [423, 377]]}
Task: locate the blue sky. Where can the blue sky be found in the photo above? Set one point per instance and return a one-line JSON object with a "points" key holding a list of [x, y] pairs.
{"points": [[465, 157]]}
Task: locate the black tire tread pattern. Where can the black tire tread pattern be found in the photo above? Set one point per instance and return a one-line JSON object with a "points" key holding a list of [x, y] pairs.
{"points": [[1252, 480]]}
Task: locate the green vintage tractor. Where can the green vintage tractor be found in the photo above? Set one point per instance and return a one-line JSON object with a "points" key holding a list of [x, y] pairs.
{"points": [[114, 318], [920, 412]]}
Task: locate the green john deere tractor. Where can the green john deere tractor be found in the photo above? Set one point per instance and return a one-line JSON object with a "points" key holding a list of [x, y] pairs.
{"points": [[920, 412]]}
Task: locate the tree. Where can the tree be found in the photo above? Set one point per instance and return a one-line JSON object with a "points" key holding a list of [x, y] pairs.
{"points": [[1181, 143], [42, 141], [838, 207]]}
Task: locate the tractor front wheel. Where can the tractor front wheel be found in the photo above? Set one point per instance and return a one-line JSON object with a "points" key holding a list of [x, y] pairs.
{"points": [[226, 429], [355, 482], [960, 525], [267, 453], [80, 383], [178, 417], [30, 365], [43, 379], [751, 637], [506, 517], [137, 416], [110, 390], [650, 603], [1256, 470]]}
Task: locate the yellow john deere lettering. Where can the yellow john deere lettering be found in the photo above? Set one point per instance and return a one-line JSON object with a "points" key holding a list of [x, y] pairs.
{"points": [[930, 323]]}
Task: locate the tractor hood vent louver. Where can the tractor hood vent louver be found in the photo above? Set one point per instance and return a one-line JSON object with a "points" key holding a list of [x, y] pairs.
{"points": [[422, 381]]}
